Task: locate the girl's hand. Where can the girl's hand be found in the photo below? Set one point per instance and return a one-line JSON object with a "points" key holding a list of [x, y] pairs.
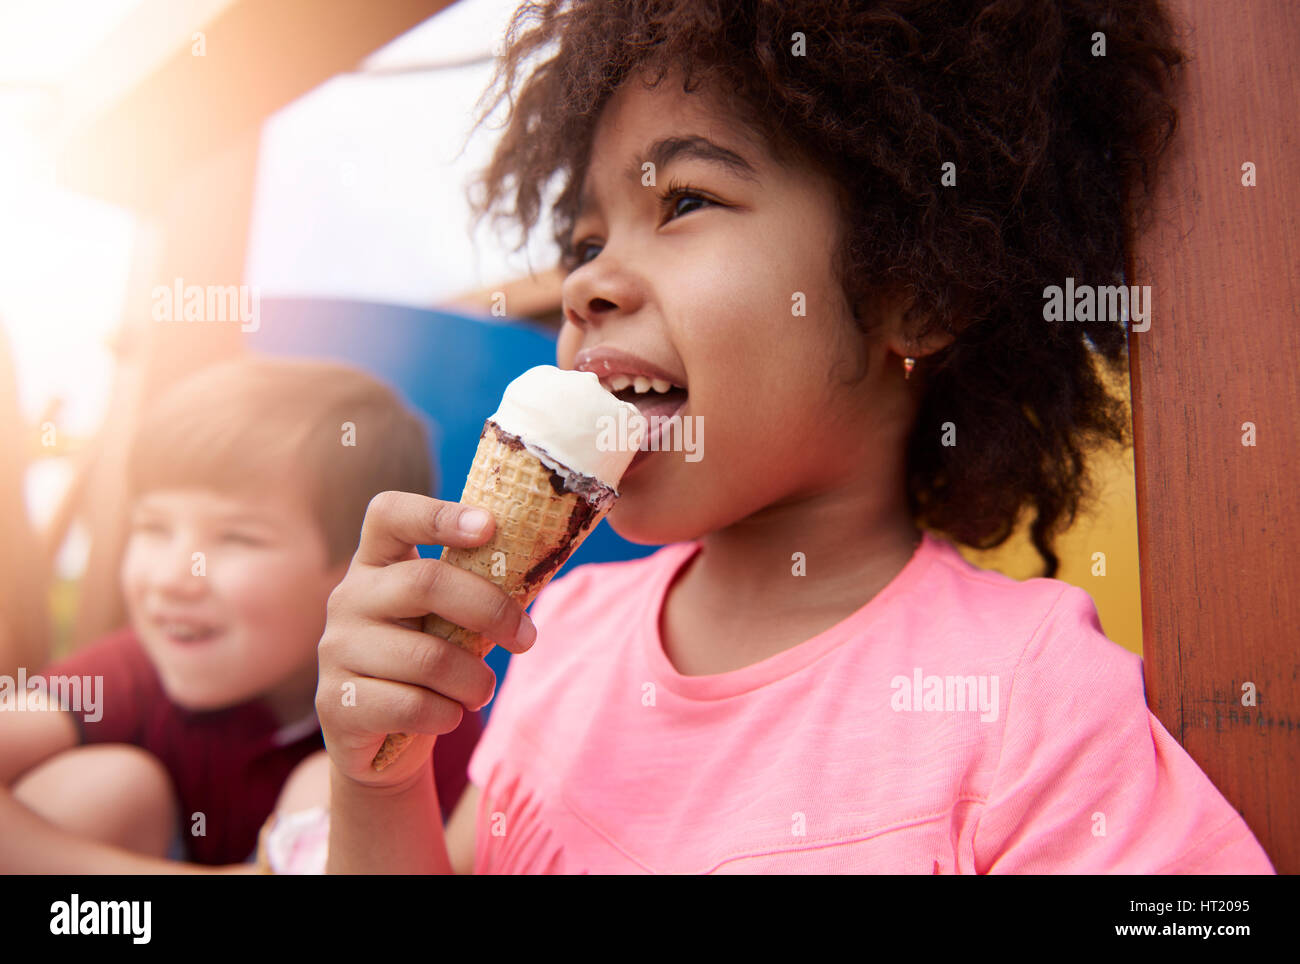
{"points": [[378, 672]]}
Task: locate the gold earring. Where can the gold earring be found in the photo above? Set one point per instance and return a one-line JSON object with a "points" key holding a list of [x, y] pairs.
{"points": [[908, 365]]}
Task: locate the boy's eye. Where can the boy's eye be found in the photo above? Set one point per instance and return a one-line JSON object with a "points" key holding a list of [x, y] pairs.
{"points": [[241, 538], [151, 526]]}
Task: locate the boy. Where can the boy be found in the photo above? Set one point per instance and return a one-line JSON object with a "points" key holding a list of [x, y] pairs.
{"points": [[248, 485]]}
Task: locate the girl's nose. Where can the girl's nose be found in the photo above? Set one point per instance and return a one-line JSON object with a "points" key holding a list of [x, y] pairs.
{"points": [[600, 291]]}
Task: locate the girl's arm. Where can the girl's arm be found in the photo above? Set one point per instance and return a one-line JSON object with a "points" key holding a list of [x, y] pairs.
{"points": [[460, 831], [296, 855], [386, 830], [379, 674]]}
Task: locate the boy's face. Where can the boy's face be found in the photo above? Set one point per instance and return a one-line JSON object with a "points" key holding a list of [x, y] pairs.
{"points": [[736, 298], [243, 619]]}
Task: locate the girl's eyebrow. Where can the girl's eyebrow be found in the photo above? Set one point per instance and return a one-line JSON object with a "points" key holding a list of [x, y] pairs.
{"points": [[668, 149]]}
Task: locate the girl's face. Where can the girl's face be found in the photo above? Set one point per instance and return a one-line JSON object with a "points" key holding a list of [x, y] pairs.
{"points": [[728, 287]]}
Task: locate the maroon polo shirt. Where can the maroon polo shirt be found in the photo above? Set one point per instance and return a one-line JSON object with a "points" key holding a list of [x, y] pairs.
{"points": [[228, 764]]}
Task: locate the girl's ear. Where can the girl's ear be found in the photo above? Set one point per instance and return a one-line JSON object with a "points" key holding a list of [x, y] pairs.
{"points": [[898, 332], [910, 347]]}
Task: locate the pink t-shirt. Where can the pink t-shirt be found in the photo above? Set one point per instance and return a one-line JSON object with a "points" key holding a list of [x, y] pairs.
{"points": [[959, 722]]}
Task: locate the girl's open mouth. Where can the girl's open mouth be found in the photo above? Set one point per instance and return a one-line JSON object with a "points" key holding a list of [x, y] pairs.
{"points": [[653, 403], [656, 394], [656, 408]]}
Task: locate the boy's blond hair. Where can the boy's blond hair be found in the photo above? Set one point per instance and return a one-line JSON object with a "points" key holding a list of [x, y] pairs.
{"points": [[236, 424]]}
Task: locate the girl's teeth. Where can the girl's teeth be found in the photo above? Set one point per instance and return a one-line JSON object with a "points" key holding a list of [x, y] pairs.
{"points": [[639, 383]]}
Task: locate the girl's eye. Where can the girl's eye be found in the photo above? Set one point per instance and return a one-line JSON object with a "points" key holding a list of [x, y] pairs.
{"points": [[150, 526], [674, 197], [670, 198], [579, 252], [575, 257]]}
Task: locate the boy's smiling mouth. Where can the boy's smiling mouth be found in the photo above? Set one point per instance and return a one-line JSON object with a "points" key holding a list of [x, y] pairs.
{"points": [[185, 630]]}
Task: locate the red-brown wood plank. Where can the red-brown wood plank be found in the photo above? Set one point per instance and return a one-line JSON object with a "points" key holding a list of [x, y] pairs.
{"points": [[1218, 521]]}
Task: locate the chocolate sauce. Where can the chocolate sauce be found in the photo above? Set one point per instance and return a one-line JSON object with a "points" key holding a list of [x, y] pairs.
{"points": [[580, 520], [594, 497], [593, 491]]}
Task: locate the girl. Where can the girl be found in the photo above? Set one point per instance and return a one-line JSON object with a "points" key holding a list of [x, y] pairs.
{"points": [[832, 225]]}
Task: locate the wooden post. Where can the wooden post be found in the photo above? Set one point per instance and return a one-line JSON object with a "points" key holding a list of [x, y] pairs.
{"points": [[1215, 407], [24, 566], [198, 235]]}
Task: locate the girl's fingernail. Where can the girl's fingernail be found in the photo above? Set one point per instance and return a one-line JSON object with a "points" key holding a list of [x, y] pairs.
{"points": [[527, 632], [472, 521]]}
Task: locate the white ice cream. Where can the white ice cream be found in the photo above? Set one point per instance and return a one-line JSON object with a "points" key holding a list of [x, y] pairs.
{"points": [[562, 414]]}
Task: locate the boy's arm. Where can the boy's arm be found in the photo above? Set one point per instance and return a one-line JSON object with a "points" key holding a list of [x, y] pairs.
{"points": [[29, 844], [30, 737]]}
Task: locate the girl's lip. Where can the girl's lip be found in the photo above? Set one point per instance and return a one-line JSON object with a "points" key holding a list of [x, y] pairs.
{"points": [[605, 361]]}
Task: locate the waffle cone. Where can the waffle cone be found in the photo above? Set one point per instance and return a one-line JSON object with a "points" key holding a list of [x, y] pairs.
{"points": [[539, 524]]}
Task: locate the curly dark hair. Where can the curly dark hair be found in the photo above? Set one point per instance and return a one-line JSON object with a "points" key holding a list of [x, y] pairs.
{"points": [[1055, 150]]}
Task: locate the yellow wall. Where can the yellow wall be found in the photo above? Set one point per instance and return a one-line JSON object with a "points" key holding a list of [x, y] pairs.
{"points": [[1110, 529]]}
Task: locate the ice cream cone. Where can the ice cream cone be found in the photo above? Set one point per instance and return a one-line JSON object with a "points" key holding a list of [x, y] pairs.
{"points": [[540, 521]]}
